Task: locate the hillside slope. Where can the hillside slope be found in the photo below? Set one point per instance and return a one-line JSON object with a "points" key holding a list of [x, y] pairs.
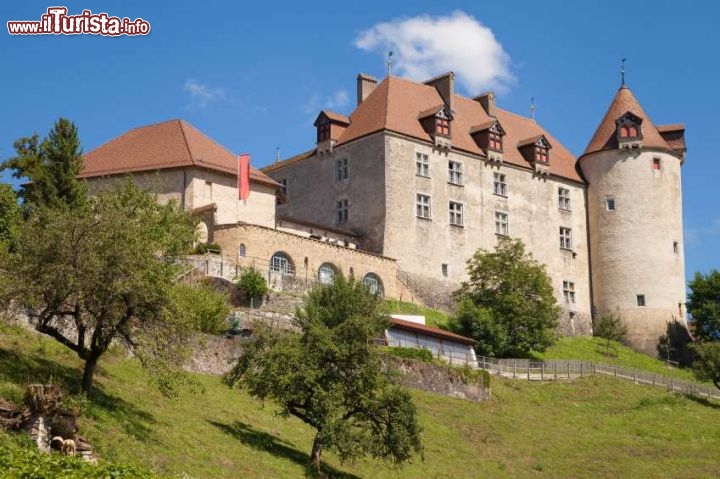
{"points": [[590, 428]]}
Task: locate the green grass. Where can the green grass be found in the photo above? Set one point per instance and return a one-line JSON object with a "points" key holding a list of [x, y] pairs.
{"points": [[433, 317], [596, 427], [592, 349]]}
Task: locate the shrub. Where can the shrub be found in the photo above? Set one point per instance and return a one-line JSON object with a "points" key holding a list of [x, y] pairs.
{"points": [[252, 283], [205, 309], [470, 375], [203, 248], [420, 354]]}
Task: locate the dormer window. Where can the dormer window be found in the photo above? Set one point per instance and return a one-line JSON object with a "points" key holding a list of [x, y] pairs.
{"points": [[495, 141], [442, 126], [323, 130], [489, 137], [629, 131], [436, 123], [541, 154]]}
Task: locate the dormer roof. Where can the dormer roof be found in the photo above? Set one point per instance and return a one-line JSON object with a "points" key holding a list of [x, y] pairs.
{"points": [[538, 140], [333, 117], [486, 126]]}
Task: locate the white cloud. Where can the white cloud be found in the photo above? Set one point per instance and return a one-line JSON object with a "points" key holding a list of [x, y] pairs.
{"points": [[426, 46], [202, 95], [335, 101]]}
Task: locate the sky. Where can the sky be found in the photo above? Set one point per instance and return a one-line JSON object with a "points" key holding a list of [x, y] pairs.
{"points": [[254, 75]]}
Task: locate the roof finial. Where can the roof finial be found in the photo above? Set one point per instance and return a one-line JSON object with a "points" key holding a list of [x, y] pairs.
{"points": [[277, 154], [389, 62], [532, 108], [622, 73]]}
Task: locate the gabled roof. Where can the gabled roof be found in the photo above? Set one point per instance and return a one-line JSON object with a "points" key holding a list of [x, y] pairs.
{"points": [[486, 125], [170, 144], [396, 103], [432, 111], [534, 140], [333, 117], [430, 331], [605, 137]]}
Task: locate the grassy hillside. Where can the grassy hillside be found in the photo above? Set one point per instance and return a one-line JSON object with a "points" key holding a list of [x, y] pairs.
{"points": [[592, 349], [433, 317], [590, 428]]}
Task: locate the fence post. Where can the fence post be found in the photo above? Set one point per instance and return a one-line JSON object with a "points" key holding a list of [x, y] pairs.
{"points": [[514, 368], [615, 370], [568, 369], [542, 370], [581, 369], [528, 370], [555, 369]]}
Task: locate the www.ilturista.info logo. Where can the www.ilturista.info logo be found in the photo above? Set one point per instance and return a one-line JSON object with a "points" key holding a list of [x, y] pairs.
{"points": [[57, 22]]}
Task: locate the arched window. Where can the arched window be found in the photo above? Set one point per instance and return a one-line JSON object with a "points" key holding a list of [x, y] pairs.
{"points": [[281, 263], [241, 249], [326, 273], [373, 283]]}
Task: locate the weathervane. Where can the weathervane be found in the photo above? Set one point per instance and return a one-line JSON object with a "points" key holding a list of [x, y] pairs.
{"points": [[389, 61], [622, 72], [532, 108]]}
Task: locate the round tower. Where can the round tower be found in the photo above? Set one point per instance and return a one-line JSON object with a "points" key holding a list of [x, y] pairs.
{"points": [[635, 229]]}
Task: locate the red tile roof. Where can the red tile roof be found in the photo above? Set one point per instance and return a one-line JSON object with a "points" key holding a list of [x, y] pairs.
{"points": [[430, 331], [396, 103], [170, 144], [605, 136]]}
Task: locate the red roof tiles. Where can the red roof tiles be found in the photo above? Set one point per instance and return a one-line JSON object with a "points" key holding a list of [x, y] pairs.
{"points": [[170, 144], [605, 136]]}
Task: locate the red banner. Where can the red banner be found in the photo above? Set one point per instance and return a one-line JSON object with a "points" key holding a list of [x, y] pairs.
{"points": [[244, 176]]}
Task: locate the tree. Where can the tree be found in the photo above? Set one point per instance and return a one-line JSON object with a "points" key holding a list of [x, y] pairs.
{"points": [[253, 284], [99, 273], [507, 304], [610, 327], [704, 306], [9, 214], [51, 166], [332, 378]]}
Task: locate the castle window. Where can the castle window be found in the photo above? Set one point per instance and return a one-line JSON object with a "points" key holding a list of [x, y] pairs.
{"points": [[564, 198], [500, 187], [323, 130], [610, 203], [640, 299], [501, 223], [342, 211], [442, 126], [422, 164], [676, 247], [241, 249], [444, 270], [422, 206], [373, 283], [569, 292], [281, 263], [628, 128], [341, 169], [495, 140], [456, 213], [541, 154], [455, 173], [656, 164], [326, 273], [565, 238]]}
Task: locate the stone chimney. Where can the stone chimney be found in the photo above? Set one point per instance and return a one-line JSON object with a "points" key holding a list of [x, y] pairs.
{"points": [[445, 85], [487, 100], [365, 85]]}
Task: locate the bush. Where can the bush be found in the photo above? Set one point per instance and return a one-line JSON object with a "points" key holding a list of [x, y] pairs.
{"points": [[252, 283], [206, 310], [203, 248], [470, 375], [421, 354]]}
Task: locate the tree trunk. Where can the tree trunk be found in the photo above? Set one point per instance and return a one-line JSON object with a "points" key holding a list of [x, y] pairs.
{"points": [[88, 373], [316, 452]]}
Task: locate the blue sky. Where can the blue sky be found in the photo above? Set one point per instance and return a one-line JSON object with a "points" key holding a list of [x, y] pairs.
{"points": [[253, 76]]}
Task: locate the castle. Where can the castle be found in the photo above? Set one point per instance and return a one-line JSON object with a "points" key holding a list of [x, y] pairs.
{"points": [[405, 189], [427, 176]]}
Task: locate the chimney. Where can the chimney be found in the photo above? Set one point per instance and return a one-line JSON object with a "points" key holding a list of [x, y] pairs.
{"points": [[487, 100], [365, 85], [445, 85]]}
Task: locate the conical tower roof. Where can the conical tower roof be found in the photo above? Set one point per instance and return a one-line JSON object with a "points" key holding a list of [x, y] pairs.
{"points": [[605, 137]]}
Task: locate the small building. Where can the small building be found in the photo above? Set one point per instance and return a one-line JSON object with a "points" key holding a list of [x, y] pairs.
{"points": [[412, 332]]}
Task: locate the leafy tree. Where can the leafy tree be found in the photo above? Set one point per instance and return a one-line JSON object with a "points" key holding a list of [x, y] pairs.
{"points": [[51, 166], [507, 304], [252, 283], [704, 306], [9, 214], [610, 327], [331, 376], [98, 273], [206, 308]]}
